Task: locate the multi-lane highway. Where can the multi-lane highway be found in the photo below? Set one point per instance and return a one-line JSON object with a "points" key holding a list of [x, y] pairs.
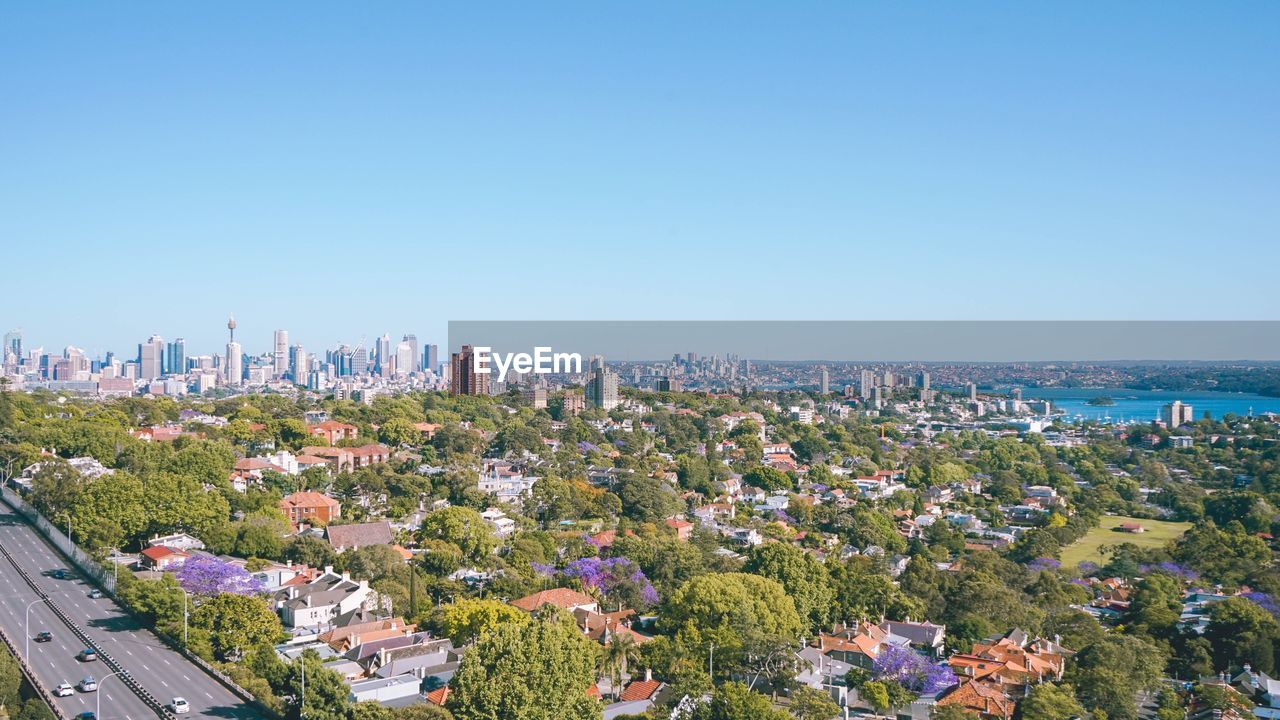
{"points": [[164, 672]]}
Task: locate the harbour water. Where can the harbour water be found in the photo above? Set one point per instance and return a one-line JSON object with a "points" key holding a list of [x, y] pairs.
{"points": [[1144, 405]]}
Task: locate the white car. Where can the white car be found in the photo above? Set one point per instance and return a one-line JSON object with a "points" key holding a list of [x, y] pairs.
{"points": [[180, 706], [64, 690], [88, 684]]}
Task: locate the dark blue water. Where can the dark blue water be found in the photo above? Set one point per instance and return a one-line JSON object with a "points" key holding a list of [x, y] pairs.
{"points": [[1144, 405]]}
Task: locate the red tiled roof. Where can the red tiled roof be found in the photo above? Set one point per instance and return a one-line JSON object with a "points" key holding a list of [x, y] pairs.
{"points": [[160, 552], [563, 598], [641, 690]]}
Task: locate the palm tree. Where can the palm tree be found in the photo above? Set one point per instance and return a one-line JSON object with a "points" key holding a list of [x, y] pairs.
{"points": [[621, 650]]}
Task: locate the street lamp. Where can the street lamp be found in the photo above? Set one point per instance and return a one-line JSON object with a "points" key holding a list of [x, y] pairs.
{"points": [[26, 648], [184, 617], [97, 712]]}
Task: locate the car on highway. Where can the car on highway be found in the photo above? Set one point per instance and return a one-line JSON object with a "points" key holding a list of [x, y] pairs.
{"points": [[87, 655], [94, 594], [86, 716], [88, 684], [180, 706], [64, 690], [45, 636]]}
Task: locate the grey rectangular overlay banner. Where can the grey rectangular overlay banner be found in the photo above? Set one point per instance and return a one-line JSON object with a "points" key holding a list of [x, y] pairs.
{"points": [[885, 341]]}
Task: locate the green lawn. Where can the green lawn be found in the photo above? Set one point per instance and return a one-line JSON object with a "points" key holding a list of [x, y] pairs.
{"points": [[1089, 547]]}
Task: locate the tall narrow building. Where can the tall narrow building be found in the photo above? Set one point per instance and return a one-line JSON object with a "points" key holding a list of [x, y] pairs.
{"points": [[175, 357], [383, 357], [233, 368], [602, 385], [413, 343], [431, 358], [298, 365], [151, 358], [404, 358], [463, 378], [280, 353]]}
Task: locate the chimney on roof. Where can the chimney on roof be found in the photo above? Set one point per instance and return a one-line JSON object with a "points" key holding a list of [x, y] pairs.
{"points": [[328, 569]]}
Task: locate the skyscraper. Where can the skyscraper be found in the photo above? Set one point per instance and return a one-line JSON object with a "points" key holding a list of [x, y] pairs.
{"points": [[866, 384], [175, 357], [404, 359], [280, 353], [298, 365], [360, 361], [12, 344], [151, 358], [463, 378], [233, 368], [431, 358], [824, 384], [602, 386], [413, 343], [382, 356]]}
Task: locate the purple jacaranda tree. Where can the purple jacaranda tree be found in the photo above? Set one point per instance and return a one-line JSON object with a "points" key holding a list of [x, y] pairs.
{"points": [[543, 568], [1043, 563], [617, 577], [1264, 601], [1171, 568], [207, 575], [1087, 569], [912, 671]]}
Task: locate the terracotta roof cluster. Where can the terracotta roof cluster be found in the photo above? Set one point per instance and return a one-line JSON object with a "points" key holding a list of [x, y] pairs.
{"points": [[563, 598], [995, 673]]}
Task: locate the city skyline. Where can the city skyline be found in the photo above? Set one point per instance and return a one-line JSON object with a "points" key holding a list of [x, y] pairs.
{"points": [[954, 163]]}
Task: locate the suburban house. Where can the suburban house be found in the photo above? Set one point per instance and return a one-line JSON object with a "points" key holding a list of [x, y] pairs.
{"points": [[159, 557], [321, 601], [563, 598], [310, 507], [333, 431], [997, 673], [502, 479], [353, 537], [177, 541]]}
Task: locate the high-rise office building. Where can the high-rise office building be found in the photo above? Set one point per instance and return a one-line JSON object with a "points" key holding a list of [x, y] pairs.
{"points": [[463, 378], [413, 343], [12, 345], [175, 357], [431, 358], [924, 383], [360, 361], [824, 382], [280, 353], [233, 368], [972, 389], [602, 386], [1176, 414], [382, 356], [151, 358], [298, 365], [404, 359]]}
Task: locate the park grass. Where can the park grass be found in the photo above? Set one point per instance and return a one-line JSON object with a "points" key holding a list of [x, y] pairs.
{"points": [[1089, 547]]}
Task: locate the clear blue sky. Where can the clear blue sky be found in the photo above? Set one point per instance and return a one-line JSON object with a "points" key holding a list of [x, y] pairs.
{"points": [[342, 169]]}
